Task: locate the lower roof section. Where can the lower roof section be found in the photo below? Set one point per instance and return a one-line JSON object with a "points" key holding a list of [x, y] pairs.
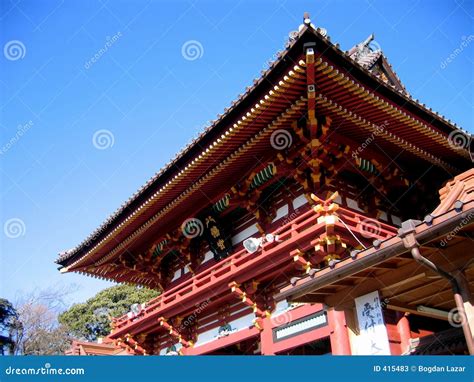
{"points": [[444, 239]]}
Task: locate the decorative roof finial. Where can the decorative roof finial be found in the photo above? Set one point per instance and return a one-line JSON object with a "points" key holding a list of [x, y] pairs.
{"points": [[306, 19], [366, 52], [368, 40], [306, 22]]}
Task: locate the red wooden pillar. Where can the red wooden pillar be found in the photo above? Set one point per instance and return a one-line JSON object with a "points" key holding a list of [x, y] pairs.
{"points": [[266, 337], [403, 327], [340, 344]]}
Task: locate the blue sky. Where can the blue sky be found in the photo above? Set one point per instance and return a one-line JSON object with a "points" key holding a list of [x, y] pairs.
{"points": [[57, 186]]}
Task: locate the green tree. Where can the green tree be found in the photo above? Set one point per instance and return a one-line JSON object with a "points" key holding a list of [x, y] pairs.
{"points": [[10, 327], [91, 319]]}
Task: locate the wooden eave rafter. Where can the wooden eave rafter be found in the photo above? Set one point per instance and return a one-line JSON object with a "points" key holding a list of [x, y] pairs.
{"points": [[335, 85]]}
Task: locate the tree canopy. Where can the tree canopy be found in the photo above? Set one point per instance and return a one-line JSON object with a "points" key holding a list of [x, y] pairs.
{"points": [[9, 326], [91, 319]]}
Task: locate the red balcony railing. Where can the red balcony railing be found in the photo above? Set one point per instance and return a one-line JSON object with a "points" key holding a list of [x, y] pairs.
{"points": [[243, 266]]}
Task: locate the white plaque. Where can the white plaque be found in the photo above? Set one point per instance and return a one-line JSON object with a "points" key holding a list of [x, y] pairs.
{"points": [[373, 339]]}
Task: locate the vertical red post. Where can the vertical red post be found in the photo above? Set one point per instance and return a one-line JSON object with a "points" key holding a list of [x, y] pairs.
{"points": [[311, 91], [266, 337], [340, 343], [403, 327]]}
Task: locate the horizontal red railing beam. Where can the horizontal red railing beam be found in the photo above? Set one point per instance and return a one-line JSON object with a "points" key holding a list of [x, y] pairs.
{"points": [[241, 267]]}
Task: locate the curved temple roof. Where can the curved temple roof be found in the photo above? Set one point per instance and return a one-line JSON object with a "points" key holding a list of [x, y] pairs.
{"points": [[363, 62]]}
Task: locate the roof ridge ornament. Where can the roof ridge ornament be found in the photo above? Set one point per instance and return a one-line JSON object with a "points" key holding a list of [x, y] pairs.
{"points": [[368, 40], [306, 18], [306, 22], [366, 52]]}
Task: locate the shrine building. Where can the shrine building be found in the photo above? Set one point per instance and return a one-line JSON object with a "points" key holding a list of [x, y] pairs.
{"points": [[326, 211]]}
